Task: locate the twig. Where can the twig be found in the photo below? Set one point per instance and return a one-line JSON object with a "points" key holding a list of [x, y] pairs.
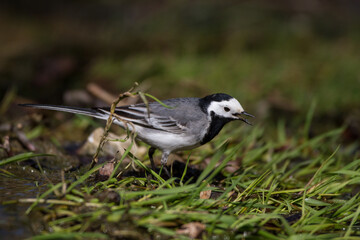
{"points": [[24, 140], [54, 201], [63, 189], [109, 122], [105, 96]]}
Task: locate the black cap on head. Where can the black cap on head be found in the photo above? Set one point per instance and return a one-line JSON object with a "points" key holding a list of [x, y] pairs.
{"points": [[217, 97]]}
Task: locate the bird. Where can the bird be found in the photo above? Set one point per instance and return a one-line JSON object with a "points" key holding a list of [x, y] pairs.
{"points": [[173, 125]]}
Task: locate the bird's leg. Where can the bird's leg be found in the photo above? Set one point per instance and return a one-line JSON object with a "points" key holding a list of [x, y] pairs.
{"points": [[151, 153], [164, 159]]}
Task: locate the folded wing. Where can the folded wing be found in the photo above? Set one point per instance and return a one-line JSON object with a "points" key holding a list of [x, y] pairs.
{"points": [[140, 116]]}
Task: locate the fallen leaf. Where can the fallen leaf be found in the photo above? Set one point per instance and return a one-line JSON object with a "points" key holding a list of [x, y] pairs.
{"points": [[107, 169], [205, 194], [193, 229]]}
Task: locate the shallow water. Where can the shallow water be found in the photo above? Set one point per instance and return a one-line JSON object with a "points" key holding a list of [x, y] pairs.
{"points": [[14, 224]]}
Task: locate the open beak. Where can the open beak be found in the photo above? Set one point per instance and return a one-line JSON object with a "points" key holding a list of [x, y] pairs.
{"points": [[239, 116]]}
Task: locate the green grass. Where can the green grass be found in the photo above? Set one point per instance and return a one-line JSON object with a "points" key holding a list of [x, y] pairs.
{"points": [[289, 187], [21, 157]]}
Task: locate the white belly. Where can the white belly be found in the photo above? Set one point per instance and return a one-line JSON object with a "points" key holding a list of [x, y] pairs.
{"points": [[163, 140], [168, 141]]}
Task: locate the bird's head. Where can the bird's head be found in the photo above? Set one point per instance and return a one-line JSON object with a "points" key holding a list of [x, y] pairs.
{"points": [[225, 106]]}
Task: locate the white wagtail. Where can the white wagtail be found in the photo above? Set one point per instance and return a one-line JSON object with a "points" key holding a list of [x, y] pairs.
{"points": [[185, 124]]}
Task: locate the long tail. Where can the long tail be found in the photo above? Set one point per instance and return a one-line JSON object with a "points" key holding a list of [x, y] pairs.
{"points": [[92, 112]]}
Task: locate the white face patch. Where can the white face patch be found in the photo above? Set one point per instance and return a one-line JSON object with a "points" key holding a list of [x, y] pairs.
{"points": [[226, 108]]}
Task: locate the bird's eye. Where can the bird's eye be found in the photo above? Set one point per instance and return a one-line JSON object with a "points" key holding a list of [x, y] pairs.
{"points": [[226, 109]]}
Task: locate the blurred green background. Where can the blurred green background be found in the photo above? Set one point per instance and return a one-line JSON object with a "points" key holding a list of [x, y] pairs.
{"points": [[275, 57]]}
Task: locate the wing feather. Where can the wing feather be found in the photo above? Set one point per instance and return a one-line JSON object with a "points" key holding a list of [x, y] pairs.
{"points": [[138, 115]]}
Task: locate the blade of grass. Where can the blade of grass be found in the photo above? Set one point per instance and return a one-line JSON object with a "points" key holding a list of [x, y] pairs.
{"points": [[127, 151], [210, 167], [157, 100], [157, 176], [70, 235], [321, 168], [23, 157], [355, 218], [185, 170], [309, 117]]}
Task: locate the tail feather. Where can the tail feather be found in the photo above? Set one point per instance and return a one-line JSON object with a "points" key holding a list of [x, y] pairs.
{"points": [[83, 111]]}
